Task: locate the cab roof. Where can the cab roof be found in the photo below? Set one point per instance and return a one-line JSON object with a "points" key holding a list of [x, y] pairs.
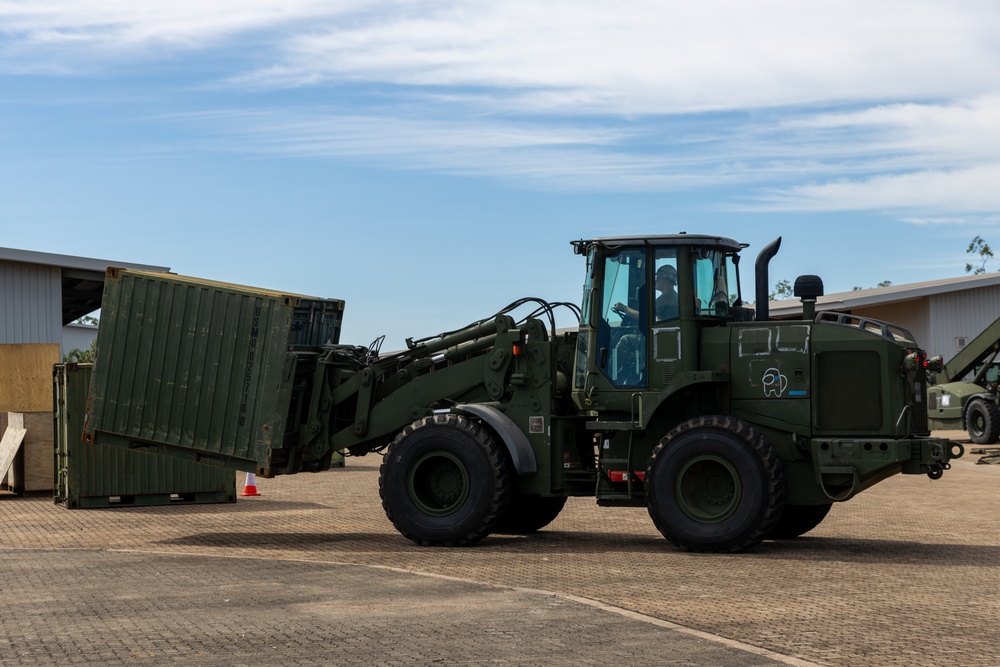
{"points": [[682, 239]]}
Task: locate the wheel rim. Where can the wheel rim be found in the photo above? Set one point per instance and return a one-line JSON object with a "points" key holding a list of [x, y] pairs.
{"points": [[708, 488], [977, 423], [438, 483]]}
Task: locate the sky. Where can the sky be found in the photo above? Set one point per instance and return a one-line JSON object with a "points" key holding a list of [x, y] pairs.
{"points": [[429, 162]]}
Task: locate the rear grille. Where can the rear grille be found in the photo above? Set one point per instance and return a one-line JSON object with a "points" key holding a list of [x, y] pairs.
{"points": [[849, 391]]}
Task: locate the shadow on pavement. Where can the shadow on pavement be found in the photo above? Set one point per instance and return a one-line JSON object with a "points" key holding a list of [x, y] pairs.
{"points": [[850, 550], [814, 549]]}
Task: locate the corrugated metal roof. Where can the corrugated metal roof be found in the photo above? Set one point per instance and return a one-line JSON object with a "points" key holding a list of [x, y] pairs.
{"points": [[82, 278], [884, 295], [70, 261]]}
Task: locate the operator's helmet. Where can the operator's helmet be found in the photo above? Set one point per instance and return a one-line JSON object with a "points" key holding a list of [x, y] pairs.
{"points": [[668, 272]]}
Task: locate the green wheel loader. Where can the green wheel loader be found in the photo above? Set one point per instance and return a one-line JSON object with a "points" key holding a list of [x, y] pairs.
{"points": [[954, 403], [672, 395]]}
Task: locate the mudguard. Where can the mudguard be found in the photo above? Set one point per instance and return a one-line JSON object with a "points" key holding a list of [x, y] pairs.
{"points": [[513, 437]]}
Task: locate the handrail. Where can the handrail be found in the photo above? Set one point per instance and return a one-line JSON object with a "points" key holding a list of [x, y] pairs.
{"points": [[891, 332]]}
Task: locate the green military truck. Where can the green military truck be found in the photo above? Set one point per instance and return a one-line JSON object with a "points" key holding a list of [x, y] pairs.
{"points": [[672, 395], [954, 403]]}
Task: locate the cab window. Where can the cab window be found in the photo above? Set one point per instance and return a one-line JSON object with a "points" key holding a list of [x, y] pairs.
{"points": [[714, 283], [665, 305], [624, 318]]}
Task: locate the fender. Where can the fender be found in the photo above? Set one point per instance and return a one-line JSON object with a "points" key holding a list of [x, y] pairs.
{"points": [[986, 396], [681, 381], [513, 438], [983, 396]]}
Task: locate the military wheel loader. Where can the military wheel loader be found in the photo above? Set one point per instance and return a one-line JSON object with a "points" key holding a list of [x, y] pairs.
{"points": [[954, 403], [672, 395]]}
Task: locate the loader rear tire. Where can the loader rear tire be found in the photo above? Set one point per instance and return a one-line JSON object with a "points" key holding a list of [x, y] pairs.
{"points": [[529, 513], [797, 520], [715, 484], [444, 481], [983, 421]]}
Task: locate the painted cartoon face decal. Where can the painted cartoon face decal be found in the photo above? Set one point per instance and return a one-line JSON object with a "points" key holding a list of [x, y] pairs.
{"points": [[774, 382]]}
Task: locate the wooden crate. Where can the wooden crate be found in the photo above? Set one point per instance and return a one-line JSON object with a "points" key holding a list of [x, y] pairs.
{"points": [[34, 465], [26, 377]]}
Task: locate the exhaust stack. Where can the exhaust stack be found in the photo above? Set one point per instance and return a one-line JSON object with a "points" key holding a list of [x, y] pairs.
{"points": [[760, 276]]}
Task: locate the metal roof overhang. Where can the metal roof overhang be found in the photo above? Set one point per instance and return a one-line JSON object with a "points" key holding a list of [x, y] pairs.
{"points": [[878, 296], [82, 277]]}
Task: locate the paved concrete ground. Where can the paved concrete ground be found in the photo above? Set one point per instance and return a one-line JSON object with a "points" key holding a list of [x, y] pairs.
{"points": [[908, 573], [125, 608]]}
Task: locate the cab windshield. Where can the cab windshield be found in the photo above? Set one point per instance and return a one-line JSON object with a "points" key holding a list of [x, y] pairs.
{"points": [[715, 285]]}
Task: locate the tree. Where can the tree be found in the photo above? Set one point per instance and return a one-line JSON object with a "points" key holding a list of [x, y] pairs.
{"points": [[782, 290], [884, 283], [76, 355], [980, 250]]}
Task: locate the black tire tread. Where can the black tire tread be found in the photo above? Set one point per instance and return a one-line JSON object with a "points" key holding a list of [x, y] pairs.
{"points": [[502, 483], [773, 469], [991, 421]]}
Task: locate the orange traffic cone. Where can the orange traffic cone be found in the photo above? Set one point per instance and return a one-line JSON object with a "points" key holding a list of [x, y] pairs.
{"points": [[250, 488]]}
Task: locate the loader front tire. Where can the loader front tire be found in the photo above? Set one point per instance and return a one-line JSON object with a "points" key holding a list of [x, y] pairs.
{"points": [[444, 481], [983, 421], [715, 484]]}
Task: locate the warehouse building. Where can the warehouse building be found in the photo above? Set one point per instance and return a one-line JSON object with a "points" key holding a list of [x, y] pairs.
{"points": [[42, 293], [41, 296]]}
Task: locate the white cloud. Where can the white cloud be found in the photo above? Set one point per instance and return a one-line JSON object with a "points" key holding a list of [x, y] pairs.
{"points": [[650, 56], [833, 105], [932, 160], [567, 156], [968, 190], [963, 131], [910, 158], [642, 56], [121, 25]]}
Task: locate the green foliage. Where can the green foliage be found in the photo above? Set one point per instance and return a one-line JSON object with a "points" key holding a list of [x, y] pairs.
{"points": [[76, 355], [86, 319], [884, 283], [982, 253], [782, 290]]}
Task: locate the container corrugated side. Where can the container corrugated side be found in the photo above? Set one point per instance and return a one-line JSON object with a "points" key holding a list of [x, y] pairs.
{"points": [[197, 368], [100, 475]]}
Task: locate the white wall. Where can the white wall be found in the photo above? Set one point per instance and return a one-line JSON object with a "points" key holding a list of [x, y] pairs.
{"points": [[78, 337], [964, 313]]}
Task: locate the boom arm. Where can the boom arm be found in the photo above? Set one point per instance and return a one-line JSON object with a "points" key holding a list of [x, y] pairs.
{"points": [[980, 347], [361, 408]]}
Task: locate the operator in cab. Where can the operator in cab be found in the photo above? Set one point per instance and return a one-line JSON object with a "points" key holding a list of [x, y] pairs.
{"points": [[666, 303]]}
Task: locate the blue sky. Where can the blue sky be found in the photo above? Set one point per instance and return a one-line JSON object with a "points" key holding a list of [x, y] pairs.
{"points": [[429, 162]]}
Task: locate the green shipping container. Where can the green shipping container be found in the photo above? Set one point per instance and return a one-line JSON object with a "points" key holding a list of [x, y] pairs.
{"points": [[202, 370], [98, 475]]}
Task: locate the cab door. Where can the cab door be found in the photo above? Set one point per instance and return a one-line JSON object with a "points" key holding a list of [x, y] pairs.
{"points": [[623, 319]]}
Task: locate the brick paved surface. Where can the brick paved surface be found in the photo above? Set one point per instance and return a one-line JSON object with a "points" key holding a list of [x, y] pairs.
{"points": [[908, 573], [162, 609]]}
